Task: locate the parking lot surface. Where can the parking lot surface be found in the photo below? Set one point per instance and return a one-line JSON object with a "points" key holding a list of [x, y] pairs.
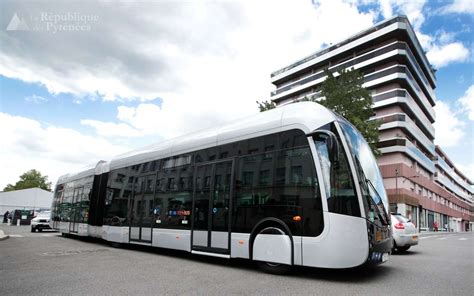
{"points": [[47, 264]]}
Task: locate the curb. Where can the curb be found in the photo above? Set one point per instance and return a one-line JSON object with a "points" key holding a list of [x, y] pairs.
{"points": [[426, 233], [3, 236]]}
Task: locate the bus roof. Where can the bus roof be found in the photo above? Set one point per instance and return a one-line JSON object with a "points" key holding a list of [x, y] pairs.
{"points": [[306, 116], [94, 169]]}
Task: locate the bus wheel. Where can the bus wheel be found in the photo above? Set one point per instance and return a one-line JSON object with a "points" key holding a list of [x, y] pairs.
{"points": [[273, 268], [264, 247]]}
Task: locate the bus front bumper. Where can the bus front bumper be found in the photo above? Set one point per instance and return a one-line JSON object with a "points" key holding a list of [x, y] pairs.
{"points": [[380, 251]]}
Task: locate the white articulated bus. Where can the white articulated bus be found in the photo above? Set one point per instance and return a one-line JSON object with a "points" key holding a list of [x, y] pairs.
{"points": [[296, 185]]}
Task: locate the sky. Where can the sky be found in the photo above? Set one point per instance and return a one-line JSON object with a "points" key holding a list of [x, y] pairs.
{"points": [[82, 81]]}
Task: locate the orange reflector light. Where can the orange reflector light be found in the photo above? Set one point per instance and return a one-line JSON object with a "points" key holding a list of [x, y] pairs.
{"points": [[241, 242], [378, 235], [297, 218]]}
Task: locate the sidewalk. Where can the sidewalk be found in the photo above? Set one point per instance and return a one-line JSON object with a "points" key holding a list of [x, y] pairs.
{"points": [[3, 236], [422, 233]]}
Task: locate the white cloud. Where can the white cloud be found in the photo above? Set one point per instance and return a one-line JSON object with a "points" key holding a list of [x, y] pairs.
{"points": [[448, 127], [53, 150], [36, 99], [467, 102], [208, 63], [442, 55], [386, 8], [445, 37], [441, 48], [111, 129], [426, 40], [458, 6], [412, 9], [146, 56]]}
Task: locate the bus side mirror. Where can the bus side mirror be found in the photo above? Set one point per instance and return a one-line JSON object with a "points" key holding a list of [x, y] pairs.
{"points": [[331, 143]]}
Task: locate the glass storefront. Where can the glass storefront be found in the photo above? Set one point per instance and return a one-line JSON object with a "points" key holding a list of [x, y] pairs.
{"points": [[412, 214]]}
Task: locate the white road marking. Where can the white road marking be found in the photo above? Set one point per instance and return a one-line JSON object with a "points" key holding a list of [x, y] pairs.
{"points": [[463, 238], [49, 234], [16, 235], [431, 236]]}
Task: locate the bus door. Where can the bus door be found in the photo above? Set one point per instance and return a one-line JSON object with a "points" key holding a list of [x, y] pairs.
{"points": [[75, 207], [141, 209], [212, 207]]}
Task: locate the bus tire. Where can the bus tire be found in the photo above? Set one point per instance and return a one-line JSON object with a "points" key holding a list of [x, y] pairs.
{"points": [[273, 268], [116, 245]]}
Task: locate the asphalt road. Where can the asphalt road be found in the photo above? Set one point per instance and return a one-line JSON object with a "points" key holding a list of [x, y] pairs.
{"points": [[48, 264]]}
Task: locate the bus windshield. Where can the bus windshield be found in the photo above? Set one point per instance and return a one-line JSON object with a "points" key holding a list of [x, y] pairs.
{"points": [[367, 165]]}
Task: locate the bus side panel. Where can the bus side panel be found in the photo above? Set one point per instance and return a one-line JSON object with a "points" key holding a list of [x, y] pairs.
{"points": [[83, 229], [345, 245], [177, 239], [239, 245], [95, 231], [64, 227], [115, 234]]}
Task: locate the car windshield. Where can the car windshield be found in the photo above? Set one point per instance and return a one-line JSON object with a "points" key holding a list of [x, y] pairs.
{"points": [[366, 162]]}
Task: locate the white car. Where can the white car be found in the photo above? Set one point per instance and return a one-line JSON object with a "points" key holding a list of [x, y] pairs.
{"points": [[404, 232], [41, 221]]}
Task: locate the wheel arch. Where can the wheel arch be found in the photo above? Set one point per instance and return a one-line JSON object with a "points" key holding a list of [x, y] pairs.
{"points": [[271, 222]]}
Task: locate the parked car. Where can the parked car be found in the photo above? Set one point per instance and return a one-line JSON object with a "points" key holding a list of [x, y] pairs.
{"points": [[404, 232], [41, 221]]}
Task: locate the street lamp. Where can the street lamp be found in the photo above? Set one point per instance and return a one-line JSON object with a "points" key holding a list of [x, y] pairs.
{"points": [[418, 210]]}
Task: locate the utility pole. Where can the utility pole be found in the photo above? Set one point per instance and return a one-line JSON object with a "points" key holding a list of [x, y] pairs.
{"points": [[396, 188]]}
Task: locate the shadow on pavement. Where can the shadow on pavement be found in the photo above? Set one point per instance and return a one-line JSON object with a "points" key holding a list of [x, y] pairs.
{"points": [[360, 274], [406, 253]]}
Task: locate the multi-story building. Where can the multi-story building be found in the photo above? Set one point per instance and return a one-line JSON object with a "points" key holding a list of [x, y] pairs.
{"points": [[421, 181]]}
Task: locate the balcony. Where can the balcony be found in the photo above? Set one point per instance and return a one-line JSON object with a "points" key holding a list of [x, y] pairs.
{"points": [[400, 120], [408, 104], [346, 45], [345, 65], [372, 79], [392, 27], [449, 171], [401, 72], [403, 145], [442, 179]]}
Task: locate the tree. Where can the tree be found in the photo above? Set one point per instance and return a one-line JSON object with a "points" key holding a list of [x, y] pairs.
{"points": [[346, 96], [265, 105], [30, 179]]}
